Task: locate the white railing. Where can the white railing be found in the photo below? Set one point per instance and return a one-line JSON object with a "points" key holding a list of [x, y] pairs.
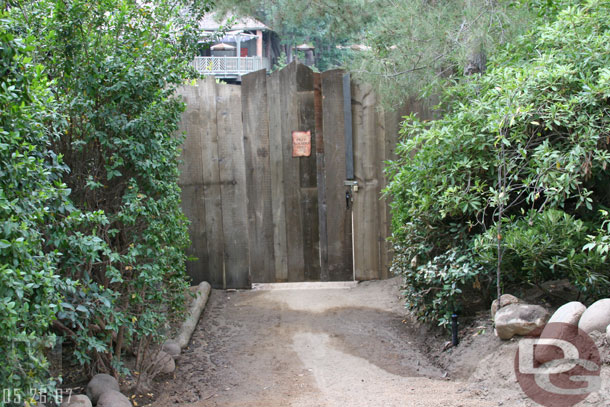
{"points": [[220, 66]]}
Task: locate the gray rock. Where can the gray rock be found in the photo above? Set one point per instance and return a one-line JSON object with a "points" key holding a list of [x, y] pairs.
{"points": [[172, 348], [77, 400], [596, 317], [608, 334], [506, 299], [113, 398], [569, 313], [520, 319], [165, 362], [99, 384]]}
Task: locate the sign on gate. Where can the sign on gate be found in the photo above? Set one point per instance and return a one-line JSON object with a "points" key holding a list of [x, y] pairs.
{"points": [[301, 143]]}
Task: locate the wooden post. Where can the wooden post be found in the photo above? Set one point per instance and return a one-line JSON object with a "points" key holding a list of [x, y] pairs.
{"points": [[276, 159], [338, 215], [258, 175], [231, 161], [259, 43], [321, 176]]}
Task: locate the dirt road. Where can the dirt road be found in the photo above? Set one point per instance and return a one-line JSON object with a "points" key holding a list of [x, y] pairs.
{"points": [[325, 347]]}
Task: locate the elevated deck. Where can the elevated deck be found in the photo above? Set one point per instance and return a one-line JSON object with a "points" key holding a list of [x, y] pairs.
{"points": [[230, 67]]}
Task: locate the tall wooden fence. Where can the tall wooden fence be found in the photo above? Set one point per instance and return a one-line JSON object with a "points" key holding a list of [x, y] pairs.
{"points": [[257, 213]]}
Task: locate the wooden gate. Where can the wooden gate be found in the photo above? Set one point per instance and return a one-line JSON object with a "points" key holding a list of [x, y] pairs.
{"points": [[257, 213]]}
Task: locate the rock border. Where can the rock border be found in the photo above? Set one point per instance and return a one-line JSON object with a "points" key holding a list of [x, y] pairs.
{"points": [[170, 349]]}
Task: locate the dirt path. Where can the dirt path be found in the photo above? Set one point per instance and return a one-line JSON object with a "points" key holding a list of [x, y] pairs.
{"points": [[328, 347]]}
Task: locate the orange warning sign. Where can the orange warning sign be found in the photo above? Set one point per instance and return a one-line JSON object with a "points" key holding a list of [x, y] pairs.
{"points": [[301, 143]]}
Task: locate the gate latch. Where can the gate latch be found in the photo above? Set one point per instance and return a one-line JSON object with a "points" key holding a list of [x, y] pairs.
{"points": [[348, 198], [351, 183]]}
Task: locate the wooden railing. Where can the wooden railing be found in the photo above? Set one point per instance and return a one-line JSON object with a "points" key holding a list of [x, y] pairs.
{"points": [[230, 66]]}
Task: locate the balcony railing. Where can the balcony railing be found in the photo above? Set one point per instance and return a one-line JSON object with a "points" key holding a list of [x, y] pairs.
{"points": [[230, 66]]}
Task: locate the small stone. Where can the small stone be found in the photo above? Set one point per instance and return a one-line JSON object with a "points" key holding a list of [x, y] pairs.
{"points": [[77, 400], [520, 319], [596, 317], [99, 384], [506, 299], [569, 313], [171, 348], [113, 398]]}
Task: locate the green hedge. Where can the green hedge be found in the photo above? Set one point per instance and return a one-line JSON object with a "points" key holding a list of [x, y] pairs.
{"points": [[529, 135], [92, 237]]}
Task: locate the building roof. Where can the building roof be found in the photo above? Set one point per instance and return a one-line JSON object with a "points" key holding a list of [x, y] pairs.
{"points": [[213, 21]]}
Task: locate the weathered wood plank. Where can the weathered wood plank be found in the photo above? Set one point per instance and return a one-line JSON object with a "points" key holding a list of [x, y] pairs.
{"points": [[339, 217], [211, 181], [191, 184], [276, 158], [308, 176], [321, 177], [233, 186], [366, 224], [292, 189], [382, 207], [258, 176]]}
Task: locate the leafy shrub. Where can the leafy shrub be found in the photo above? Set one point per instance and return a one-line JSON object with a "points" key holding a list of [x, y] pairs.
{"points": [[93, 235], [546, 246], [435, 290], [531, 134], [30, 192], [124, 241]]}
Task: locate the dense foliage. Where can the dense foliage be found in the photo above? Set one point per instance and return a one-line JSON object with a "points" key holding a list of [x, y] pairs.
{"points": [[93, 236], [31, 192], [521, 153]]}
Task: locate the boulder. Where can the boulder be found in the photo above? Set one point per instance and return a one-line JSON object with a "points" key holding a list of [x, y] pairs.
{"points": [[172, 348], [506, 299], [164, 362], [596, 317], [557, 330], [566, 319], [113, 398], [99, 384], [569, 313], [608, 334], [77, 400], [520, 319]]}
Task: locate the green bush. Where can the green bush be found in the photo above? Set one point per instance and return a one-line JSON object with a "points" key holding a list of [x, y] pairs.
{"points": [[116, 65], [31, 192], [435, 290], [543, 246], [528, 135], [92, 237]]}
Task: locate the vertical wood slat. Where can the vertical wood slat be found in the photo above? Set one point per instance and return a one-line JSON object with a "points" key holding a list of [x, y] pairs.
{"points": [[308, 176], [321, 177], [233, 186], [292, 190], [191, 184], [211, 183], [339, 217], [274, 109], [366, 200], [258, 176]]}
